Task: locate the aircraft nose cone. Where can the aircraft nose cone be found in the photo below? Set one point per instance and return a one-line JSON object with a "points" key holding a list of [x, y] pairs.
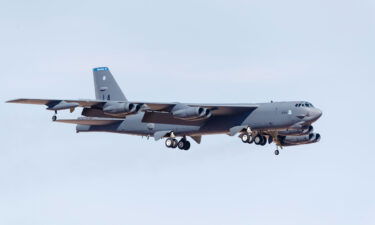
{"points": [[315, 114]]}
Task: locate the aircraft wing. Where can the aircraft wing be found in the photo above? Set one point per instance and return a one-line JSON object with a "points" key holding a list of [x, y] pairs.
{"points": [[216, 109], [47, 102], [154, 110], [160, 112]]}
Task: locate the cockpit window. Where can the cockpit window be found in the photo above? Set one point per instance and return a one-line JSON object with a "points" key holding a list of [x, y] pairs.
{"points": [[304, 104]]}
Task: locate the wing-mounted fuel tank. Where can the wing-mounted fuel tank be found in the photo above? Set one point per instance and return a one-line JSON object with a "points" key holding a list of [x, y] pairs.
{"points": [[185, 112], [297, 140], [297, 132]]}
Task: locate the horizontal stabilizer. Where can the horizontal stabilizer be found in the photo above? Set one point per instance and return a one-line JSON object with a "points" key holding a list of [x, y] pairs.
{"points": [[92, 121]]}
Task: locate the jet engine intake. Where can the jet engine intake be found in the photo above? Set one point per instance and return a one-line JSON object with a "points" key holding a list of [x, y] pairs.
{"points": [[296, 140], [192, 113], [120, 108]]}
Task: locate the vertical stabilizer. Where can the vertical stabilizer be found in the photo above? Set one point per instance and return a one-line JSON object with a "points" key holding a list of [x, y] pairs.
{"points": [[106, 87]]}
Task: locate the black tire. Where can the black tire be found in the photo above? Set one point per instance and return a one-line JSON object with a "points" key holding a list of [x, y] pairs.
{"points": [[264, 141], [187, 145], [169, 142], [251, 139], [54, 118], [175, 143], [258, 140], [245, 138], [181, 144], [277, 152], [270, 139]]}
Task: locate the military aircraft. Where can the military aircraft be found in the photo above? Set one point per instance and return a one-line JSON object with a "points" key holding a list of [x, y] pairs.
{"points": [[283, 123]]}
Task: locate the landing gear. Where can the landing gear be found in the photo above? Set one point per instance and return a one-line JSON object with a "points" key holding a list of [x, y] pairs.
{"points": [[54, 117], [277, 152], [171, 143], [175, 142], [187, 145], [264, 141], [258, 140], [247, 138], [251, 139], [183, 144]]}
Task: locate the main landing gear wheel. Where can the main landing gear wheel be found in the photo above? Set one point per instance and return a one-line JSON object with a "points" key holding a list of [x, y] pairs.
{"points": [[174, 144], [277, 152], [183, 144], [258, 140], [169, 142], [187, 145], [264, 141], [251, 139], [245, 138]]}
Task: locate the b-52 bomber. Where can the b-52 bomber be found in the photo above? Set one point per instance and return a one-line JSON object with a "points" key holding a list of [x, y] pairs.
{"points": [[283, 123]]}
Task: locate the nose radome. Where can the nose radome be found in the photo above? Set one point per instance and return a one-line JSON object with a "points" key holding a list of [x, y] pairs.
{"points": [[317, 113]]}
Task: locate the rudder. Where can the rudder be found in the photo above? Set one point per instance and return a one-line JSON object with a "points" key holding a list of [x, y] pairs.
{"points": [[106, 87]]}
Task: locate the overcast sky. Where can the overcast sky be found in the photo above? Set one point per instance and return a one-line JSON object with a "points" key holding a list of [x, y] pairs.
{"points": [[234, 51]]}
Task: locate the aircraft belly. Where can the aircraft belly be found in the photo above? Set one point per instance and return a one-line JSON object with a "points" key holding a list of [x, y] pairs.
{"points": [[133, 125]]}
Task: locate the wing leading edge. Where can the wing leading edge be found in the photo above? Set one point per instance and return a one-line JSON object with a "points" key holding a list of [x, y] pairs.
{"points": [[47, 102], [155, 112]]}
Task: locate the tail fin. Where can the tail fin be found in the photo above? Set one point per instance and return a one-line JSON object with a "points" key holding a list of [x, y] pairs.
{"points": [[106, 87]]}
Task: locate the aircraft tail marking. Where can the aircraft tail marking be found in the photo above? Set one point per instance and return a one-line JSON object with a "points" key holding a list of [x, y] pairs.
{"points": [[106, 87]]}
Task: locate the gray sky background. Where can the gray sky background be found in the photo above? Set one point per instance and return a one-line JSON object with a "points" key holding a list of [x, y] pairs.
{"points": [[192, 51]]}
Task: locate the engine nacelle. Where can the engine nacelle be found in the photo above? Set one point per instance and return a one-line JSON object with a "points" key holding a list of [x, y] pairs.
{"points": [[119, 108], [297, 132], [191, 113], [297, 140]]}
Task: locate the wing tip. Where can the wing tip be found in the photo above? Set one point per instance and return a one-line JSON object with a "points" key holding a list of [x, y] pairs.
{"points": [[12, 101]]}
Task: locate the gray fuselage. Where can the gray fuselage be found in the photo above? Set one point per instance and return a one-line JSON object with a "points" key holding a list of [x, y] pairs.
{"points": [[271, 116]]}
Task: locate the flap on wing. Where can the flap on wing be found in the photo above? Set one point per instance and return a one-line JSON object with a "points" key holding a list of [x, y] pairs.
{"points": [[91, 121]]}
